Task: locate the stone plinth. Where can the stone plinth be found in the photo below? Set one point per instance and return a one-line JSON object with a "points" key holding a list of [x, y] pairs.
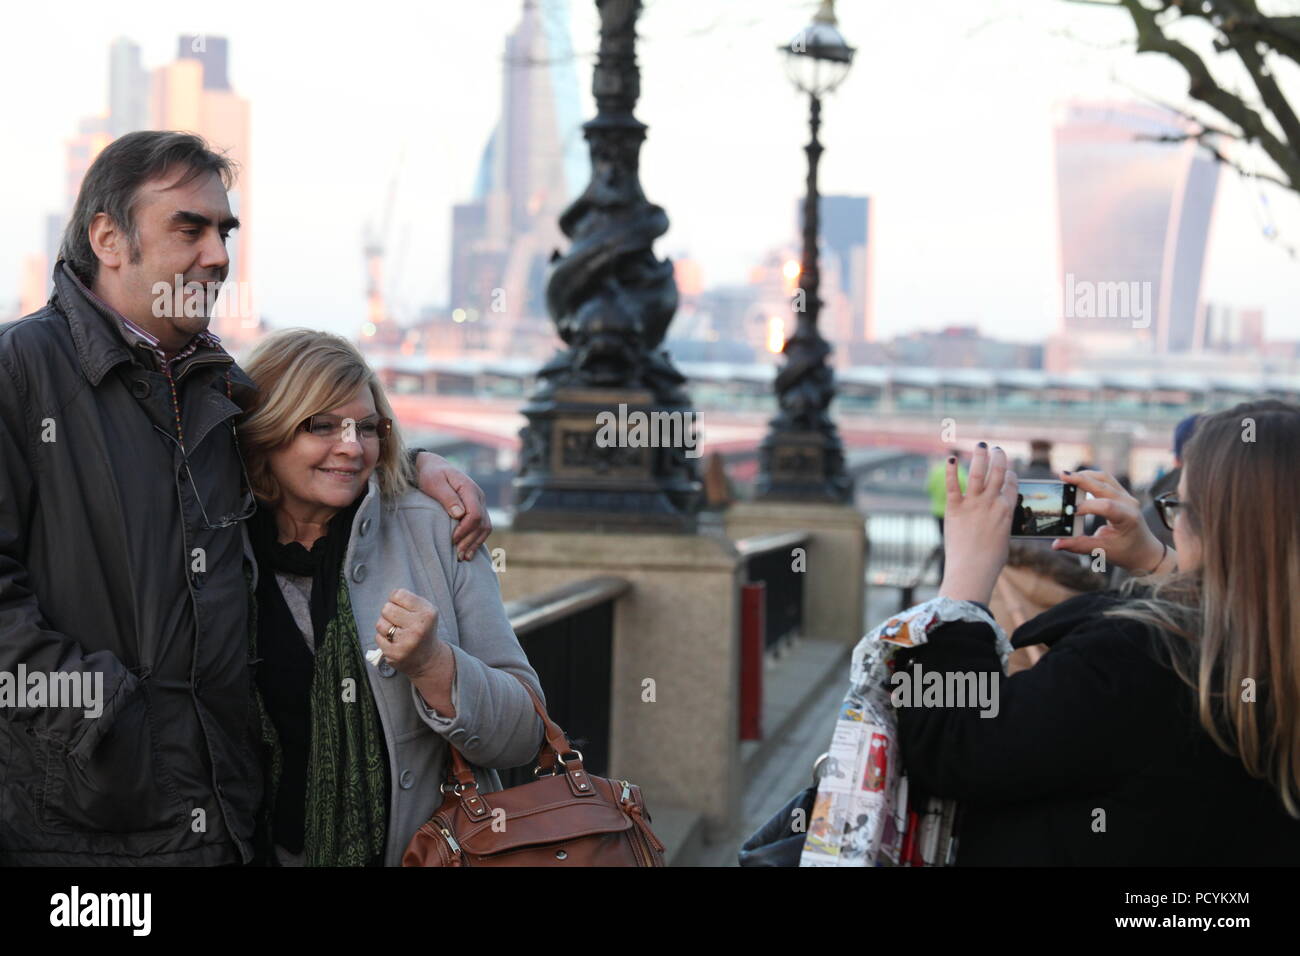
{"points": [[679, 625], [835, 583]]}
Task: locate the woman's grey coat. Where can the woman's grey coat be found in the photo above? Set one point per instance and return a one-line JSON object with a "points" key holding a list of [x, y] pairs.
{"points": [[409, 546]]}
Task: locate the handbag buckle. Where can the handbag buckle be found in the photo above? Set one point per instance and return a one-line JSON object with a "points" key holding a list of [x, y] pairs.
{"points": [[456, 788], [575, 753]]}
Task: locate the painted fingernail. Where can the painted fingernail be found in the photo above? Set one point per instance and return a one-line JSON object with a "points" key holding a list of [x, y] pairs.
{"points": [[984, 444], [1067, 471], [952, 461]]}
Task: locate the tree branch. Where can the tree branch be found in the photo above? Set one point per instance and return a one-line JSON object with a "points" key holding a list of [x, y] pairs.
{"points": [[1202, 86]]}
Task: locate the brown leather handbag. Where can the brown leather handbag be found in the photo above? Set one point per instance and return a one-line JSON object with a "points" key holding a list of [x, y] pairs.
{"points": [[566, 817]]}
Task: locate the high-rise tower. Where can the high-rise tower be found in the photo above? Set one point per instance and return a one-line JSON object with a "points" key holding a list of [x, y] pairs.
{"points": [[533, 165], [1134, 223]]}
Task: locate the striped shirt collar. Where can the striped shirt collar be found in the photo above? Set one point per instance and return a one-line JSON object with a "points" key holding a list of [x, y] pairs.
{"points": [[139, 338]]}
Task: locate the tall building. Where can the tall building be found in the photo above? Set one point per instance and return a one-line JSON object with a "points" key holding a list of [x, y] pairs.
{"points": [[534, 163], [1229, 329], [1134, 224], [91, 138], [128, 89], [193, 93], [213, 53], [847, 284]]}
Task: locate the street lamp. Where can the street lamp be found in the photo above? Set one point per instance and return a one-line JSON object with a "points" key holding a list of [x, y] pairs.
{"points": [[612, 301], [802, 458]]}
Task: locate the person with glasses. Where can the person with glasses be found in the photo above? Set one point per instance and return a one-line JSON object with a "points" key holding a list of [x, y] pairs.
{"points": [[124, 568], [1163, 725], [375, 646]]}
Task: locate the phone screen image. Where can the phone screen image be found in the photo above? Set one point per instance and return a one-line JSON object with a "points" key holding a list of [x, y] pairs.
{"points": [[1044, 509]]}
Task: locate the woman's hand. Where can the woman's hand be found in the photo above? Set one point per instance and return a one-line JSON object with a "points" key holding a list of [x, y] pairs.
{"points": [[977, 526], [413, 648], [1125, 540]]}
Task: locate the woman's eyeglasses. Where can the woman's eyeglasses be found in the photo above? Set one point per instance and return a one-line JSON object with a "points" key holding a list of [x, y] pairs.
{"points": [[331, 429], [1168, 506]]}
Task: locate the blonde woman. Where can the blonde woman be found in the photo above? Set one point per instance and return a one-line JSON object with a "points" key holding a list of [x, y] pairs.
{"points": [[353, 560], [1163, 727]]}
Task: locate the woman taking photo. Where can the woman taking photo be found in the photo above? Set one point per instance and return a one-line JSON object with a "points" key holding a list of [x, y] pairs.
{"points": [[352, 560], [1163, 725]]}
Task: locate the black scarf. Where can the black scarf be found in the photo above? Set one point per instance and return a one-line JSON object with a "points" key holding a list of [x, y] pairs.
{"points": [[286, 666], [323, 563]]}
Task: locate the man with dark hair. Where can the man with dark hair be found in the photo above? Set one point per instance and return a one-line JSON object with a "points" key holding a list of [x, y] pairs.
{"points": [[124, 567]]}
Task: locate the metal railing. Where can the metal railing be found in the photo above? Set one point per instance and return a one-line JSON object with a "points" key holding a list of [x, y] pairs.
{"points": [[770, 559], [904, 551], [568, 635]]}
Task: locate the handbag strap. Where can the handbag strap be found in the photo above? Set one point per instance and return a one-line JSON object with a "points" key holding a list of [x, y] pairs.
{"points": [[556, 747]]}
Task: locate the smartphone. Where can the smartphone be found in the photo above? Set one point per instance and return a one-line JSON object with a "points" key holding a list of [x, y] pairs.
{"points": [[1045, 509]]}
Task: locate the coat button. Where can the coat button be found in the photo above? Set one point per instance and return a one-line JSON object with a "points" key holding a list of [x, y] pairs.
{"points": [[140, 388], [365, 525], [359, 573], [458, 733], [386, 669], [472, 741], [406, 780]]}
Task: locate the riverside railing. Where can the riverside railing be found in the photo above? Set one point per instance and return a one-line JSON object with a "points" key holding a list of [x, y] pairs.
{"points": [[903, 551], [568, 635], [771, 612]]}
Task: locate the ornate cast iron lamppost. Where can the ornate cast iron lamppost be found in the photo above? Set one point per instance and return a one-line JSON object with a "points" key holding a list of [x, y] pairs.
{"points": [[802, 458], [611, 301]]}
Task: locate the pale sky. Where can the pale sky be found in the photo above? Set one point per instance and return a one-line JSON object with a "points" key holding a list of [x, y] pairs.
{"points": [[945, 120]]}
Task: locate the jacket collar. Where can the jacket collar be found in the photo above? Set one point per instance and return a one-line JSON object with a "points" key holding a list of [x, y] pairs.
{"points": [[99, 348], [101, 337]]}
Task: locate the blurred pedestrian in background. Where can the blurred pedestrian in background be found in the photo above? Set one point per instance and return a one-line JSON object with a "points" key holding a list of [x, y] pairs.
{"points": [[1040, 460], [936, 487]]}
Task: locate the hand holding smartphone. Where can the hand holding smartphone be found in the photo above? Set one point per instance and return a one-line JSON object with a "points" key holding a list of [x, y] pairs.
{"points": [[1045, 508]]}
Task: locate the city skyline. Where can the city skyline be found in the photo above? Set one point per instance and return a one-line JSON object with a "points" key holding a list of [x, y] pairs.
{"points": [[948, 253]]}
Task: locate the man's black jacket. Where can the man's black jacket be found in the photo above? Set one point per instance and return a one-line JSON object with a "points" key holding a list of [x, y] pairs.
{"points": [[1095, 755], [106, 568]]}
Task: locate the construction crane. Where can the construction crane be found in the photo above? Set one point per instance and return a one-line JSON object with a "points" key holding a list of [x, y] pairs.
{"points": [[373, 244]]}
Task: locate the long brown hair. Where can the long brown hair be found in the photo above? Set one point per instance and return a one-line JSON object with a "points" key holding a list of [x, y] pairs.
{"points": [[1232, 625]]}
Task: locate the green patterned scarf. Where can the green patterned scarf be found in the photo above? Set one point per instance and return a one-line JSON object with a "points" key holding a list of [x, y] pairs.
{"points": [[347, 773]]}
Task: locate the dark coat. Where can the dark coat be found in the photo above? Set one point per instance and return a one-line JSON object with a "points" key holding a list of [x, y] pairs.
{"points": [[1101, 722], [106, 568]]}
